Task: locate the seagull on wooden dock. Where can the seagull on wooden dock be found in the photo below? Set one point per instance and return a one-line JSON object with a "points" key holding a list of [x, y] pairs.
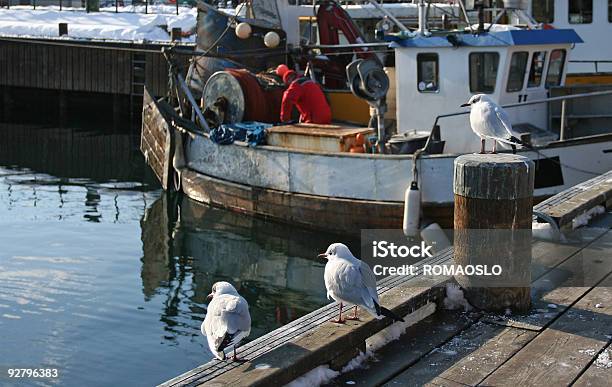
{"points": [[227, 320], [489, 120], [351, 281]]}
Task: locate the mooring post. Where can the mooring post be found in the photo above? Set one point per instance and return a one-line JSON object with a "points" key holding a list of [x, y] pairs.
{"points": [[176, 33], [63, 29], [493, 215]]}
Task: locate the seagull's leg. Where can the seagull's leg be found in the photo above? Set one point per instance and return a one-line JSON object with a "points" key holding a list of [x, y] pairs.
{"points": [[482, 146], [235, 357], [339, 320], [494, 146], [354, 316]]}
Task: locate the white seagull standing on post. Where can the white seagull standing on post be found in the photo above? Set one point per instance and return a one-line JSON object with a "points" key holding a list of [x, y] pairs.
{"points": [[489, 120], [351, 281], [227, 319]]}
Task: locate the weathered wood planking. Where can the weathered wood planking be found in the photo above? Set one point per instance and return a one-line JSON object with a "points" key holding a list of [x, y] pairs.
{"points": [[563, 285], [558, 355], [598, 373], [94, 67], [403, 294], [566, 205], [565, 274], [418, 341], [217, 370], [157, 141], [467, 358], [494, 192]]}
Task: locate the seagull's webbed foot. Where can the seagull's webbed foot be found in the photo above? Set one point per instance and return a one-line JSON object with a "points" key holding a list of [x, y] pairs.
{"points": [[339, 320], [236, 359], [354, 316]]}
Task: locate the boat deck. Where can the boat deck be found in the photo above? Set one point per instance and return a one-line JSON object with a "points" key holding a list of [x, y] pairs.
{"points": [[560, 341]]}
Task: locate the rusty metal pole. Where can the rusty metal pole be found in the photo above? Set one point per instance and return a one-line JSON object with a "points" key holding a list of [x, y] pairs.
{"points": [[493, 215]]}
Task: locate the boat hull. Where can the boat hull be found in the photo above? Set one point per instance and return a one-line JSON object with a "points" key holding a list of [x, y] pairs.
{"points": [[343, 192], [347, 192], [345, 216]]}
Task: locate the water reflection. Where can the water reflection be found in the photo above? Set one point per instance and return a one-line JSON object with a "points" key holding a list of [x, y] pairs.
{"points": [[188, 246], [105, 277]]}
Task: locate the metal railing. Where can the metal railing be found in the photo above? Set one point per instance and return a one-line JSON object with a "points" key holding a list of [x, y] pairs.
{"points": [[594, 62], [116, 6], [563, 100]]}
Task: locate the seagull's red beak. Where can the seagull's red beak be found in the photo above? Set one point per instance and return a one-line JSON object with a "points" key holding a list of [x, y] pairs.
{"points": [[209, 297], [322, 257], [464, 105]]}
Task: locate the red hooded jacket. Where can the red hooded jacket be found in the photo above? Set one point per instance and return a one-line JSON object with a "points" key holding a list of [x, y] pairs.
{"points": [[310, 101]]}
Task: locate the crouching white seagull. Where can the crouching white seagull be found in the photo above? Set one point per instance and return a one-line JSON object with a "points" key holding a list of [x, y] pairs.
{"points": [[351, 281], [489, 120], [227, 319]]}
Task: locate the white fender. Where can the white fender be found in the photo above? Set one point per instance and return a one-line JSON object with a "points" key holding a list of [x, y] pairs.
{"points": [[412, 210]]}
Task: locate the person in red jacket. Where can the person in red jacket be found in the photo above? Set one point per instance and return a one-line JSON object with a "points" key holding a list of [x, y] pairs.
{"points": [[308, 97]]}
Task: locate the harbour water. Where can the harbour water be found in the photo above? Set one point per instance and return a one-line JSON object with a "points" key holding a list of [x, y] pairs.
{"points": [[104, 277]]}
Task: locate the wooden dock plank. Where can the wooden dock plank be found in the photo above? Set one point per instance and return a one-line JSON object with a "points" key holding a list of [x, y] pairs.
{"points": [[556, 291], [464, 365], [546, 257], [419, 340], [312, 321], [328, 342], [302, 342], [599, 372], [467, 358], [566, 205], [560, 353]]}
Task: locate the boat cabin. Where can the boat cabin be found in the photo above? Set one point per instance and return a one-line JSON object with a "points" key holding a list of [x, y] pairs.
{"points": [[591, 19], [436, 74]]}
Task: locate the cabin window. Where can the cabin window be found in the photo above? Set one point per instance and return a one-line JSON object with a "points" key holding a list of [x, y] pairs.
{"points": [[610, 11], [580, 11], [427, 73], [555, 68], [543, 11], [536, 69], [518, 64], [483, 71]]}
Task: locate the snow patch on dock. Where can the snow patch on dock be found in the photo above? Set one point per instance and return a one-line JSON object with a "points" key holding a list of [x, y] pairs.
{"points": [[129, 24], [323, 374], [583, 219], [315, 377]]}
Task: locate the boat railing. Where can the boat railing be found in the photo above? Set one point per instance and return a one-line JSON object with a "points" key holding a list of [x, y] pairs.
{"points": [[595, 62], [115, 6], [563, 99]]}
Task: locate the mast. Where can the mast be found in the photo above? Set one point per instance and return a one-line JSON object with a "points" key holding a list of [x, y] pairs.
{"points": [[388, 14], [423, 18]]}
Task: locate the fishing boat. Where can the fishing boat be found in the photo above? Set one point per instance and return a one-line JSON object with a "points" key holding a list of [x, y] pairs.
{"points": [[591, 62], [316, 176]]}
